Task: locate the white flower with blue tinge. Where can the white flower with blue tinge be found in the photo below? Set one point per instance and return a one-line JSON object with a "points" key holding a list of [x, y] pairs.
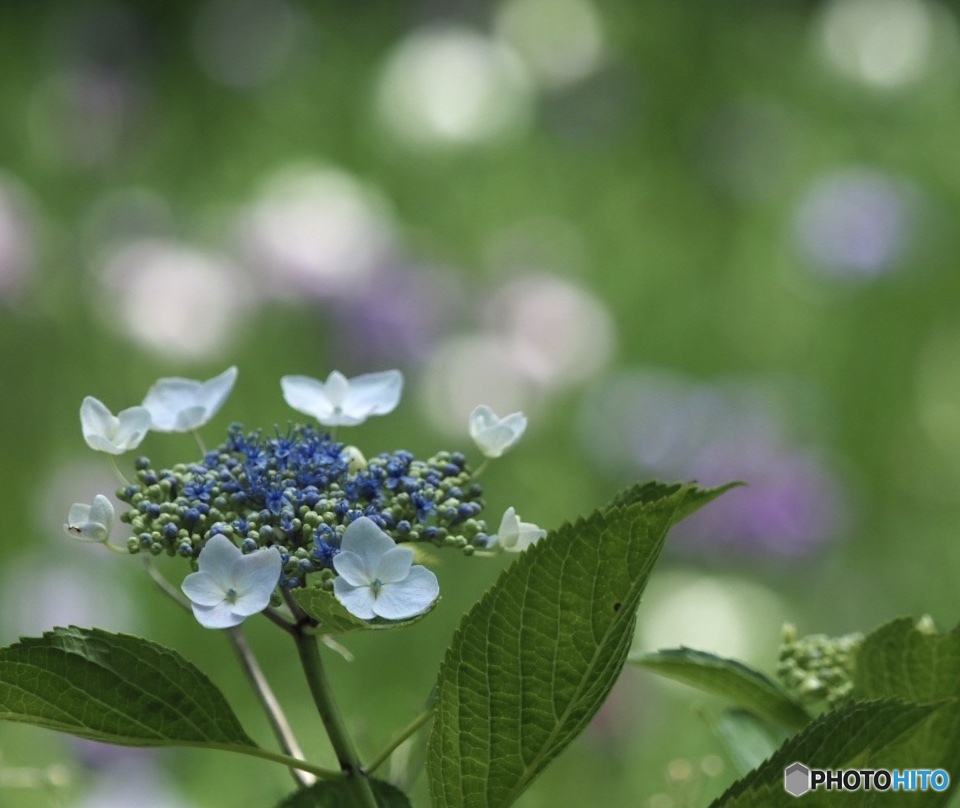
{"points": [[340, 401], [91, 522], [379, 579], [114, 434], [515, 536], [231, 586], [494, 435], [182, 405]]}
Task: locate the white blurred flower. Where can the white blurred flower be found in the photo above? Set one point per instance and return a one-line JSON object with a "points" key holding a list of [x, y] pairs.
{"points": [[181, 405], [341, 401], [231, 586], [91, 522], [494, 435], [515, 536], [379, 579], [114, 434]]}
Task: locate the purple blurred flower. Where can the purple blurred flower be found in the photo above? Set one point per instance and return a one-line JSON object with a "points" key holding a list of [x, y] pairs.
{"points": [[664, 425], [856, 223], [792, 503]]}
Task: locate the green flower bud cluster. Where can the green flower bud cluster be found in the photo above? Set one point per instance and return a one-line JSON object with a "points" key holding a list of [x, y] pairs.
{"points": [[818, 668], [299, 492]]}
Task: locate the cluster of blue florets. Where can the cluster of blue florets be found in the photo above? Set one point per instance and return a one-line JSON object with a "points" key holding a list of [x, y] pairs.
{"points": [[298, 491]]}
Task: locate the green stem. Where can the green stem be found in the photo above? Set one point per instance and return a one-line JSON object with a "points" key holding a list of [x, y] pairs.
{"points": [[355, 777], [481, 468], [276, 757], [116, 469], [199, 440], [405, 733], [278, 721]]}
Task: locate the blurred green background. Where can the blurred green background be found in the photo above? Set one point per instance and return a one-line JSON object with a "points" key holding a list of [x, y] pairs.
{"points": [[691, 240]]}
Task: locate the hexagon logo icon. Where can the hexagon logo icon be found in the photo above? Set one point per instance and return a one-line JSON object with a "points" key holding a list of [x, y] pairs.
{"points": [[796, 779]]}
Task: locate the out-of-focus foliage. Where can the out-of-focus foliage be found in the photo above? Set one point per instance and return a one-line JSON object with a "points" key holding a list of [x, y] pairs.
{"points": [[690, 240]]}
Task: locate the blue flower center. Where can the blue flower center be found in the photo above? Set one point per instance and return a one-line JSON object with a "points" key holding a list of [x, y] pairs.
{"points": [[231, 596], [375, 586]]}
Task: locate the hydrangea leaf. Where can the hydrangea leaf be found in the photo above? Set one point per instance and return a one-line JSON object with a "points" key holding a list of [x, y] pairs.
{"points": [[114, 688], [860, 735], [531, 663], [899, 660], [728, 679], [655, 490], [323, 607], [337, 795]]}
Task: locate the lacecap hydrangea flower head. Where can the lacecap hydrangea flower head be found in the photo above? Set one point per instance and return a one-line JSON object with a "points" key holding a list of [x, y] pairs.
{"points": [[329, 516]]}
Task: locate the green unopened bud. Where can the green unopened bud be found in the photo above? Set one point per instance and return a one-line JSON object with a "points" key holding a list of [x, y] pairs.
{"points": [[354, 459]]}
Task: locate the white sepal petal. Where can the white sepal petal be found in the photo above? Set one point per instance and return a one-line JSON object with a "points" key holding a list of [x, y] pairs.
{"points": [[341, 401], [202, 589], [492, 434], [377, 578], [221, 615], [364, 538], [182, 405], [351, 568], [358, 600], [105, 432], [413, 596], [515, 536], [394, 565], [231, 586], [92, 523]]}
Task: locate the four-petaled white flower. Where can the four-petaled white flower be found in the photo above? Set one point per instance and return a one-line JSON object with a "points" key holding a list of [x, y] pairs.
{"points": [[115, 434], [495, 435], [231, 586], [377, 578], [341, 401], [182, 405], [91, 522], [515, 536]]}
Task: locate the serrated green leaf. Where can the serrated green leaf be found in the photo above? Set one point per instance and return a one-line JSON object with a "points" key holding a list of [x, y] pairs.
{"points": [[531, 663], [323, 607], [860, 735], [728, 679], [898, 660], [654, 490], [337, 795], [114, 688]]}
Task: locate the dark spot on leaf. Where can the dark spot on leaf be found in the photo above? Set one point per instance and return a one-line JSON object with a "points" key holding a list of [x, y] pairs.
{"points": [[616, 606]]}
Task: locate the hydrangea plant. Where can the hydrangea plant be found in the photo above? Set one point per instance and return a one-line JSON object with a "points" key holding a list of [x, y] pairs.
{"points": [[300, 528]]}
